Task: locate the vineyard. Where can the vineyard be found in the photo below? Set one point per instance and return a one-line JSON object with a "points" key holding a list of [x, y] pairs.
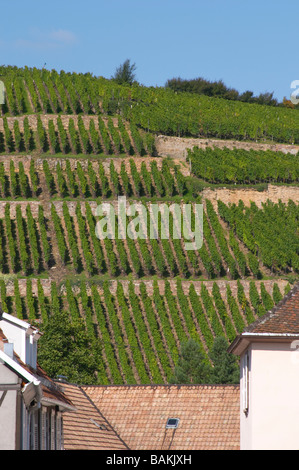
{"points": [[244, 166], [74, 135], [135, 329], [108, 178], [155, 110], [70, 142], [238, 242]]}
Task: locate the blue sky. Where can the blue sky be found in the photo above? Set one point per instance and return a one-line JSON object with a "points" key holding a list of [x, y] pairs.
{"points": [[249, 44]]}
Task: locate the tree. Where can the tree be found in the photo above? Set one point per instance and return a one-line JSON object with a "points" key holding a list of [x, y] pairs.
{"points": [[64, 349], [225, 367], [125, 73], [191, 367]]}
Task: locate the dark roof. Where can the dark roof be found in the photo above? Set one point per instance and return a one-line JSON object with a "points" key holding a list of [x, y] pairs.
{"points": [[280, 323], [209, 415], [282, 319]]}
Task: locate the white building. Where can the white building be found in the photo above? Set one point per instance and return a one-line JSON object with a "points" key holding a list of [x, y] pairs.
{"points": [[269, 384], [31, 405]]}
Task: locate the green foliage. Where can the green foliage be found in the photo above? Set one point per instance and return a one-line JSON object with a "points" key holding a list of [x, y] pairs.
{"points": [[225, 366], [23, 181], [29, 140], [105, 135], [218, 89], [42, 136], [269, 232], [30, 301], [43, 235], [62, 247], [130, 333], [125, 73], [33, 239], [63, 136], [18, 137], [8, 136], [73, 243], [121, 347], [33, 176], [11, 239], [191, 367], [277, 295], [24, 254], [157, 110], [50, 181], [64, 349], [13, 179], [222, 165], [53, 139], [18, 300]]}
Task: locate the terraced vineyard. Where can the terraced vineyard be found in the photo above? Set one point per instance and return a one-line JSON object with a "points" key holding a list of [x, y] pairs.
{"points": [[63, 178], [38, 238], [244, 166], [139, 326], [158, 110], [95, 135], [69, 143]]}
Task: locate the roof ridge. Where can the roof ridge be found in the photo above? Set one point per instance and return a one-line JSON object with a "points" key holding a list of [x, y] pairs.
{"points": [[156, 385]]}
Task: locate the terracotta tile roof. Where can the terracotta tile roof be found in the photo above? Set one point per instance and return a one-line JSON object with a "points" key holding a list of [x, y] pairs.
{"points": [[86, 428], [209, 415], [50, 389], [283, 318]]}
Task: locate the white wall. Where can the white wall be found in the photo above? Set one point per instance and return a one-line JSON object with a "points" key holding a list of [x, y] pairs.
{"points": [[15, 333], [272, 422], [21, 335], [9, 435]]}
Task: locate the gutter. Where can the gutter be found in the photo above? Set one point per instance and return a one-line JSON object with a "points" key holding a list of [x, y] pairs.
{"points": [[241, 342], [278, 335], [62, 406], [32, 391]]}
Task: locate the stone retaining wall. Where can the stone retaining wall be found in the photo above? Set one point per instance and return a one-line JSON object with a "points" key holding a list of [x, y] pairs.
{"points": [[46, 284], [176, 147], [273, 193]]}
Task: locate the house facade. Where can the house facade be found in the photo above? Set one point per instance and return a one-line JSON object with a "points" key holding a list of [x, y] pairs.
{"points": [[269, 378], [31, 404]]}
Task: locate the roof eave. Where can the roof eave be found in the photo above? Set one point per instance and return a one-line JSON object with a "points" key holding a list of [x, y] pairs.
{"points": [[18, 368], [241, 342], [54, 402]]}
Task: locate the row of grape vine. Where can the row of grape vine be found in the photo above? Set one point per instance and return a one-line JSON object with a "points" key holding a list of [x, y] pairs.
{"points": [[135, 334]]}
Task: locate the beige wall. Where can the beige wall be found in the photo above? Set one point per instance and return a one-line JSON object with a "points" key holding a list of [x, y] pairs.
{"points": [[272, 422]]}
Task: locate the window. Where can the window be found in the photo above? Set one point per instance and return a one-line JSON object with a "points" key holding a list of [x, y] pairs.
{"points": [[172, 423], [42, 429], [245, 382]]}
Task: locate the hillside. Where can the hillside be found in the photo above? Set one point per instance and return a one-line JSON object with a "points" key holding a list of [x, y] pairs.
{"points": [[69, 142]]}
